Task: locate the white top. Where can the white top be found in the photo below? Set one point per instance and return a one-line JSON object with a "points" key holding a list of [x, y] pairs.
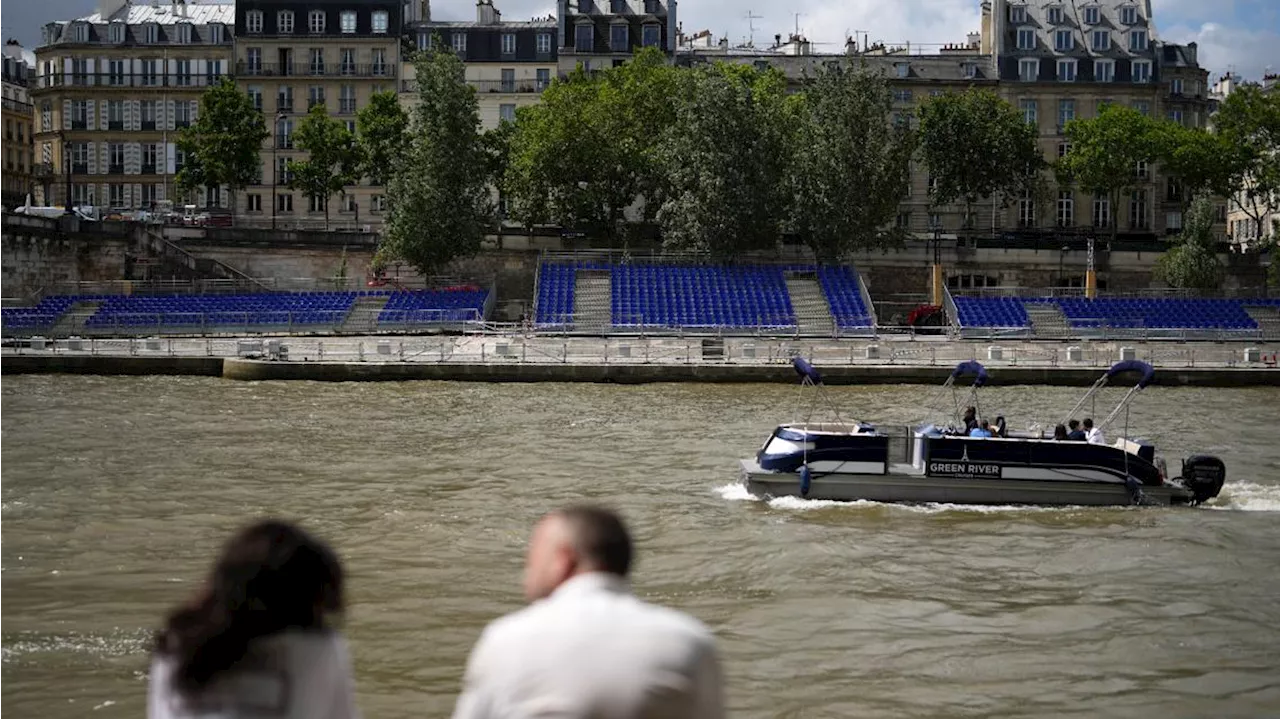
{"points": [[592, 650], [294, 675], [1094, 436]]}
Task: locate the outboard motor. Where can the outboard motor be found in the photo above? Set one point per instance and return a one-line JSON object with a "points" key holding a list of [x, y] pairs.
{"points": [[1204, 476]]}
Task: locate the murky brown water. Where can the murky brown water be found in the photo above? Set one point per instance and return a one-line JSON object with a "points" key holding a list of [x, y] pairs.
{"points": [[117, 491]]}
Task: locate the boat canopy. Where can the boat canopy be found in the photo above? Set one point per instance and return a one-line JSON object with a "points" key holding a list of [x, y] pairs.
{"points": [[806, 370], [1148, 372], [971, 367]]}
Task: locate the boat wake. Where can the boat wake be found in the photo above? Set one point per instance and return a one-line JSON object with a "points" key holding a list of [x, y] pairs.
{"points": [[1246, 497]]}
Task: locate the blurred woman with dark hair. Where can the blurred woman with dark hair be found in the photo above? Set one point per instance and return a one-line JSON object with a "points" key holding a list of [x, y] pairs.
{"points": [[255, 641]]}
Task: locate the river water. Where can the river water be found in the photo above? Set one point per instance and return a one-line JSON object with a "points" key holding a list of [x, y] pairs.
{"points": [[118, 491]]}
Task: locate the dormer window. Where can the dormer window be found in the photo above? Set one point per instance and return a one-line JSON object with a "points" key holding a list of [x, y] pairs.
{"points": [[184, 32], [1063, 40], [1054, 15], [902, 70], [216, 33], [117, 32], [380, 22], [1026, 38], [348, 19], [80, 32], [1101, 39], [1067, 70], [151, 33], [315, 21], [1092, 15], [1138, 40], [1018, 14], [284, 22], [1128, 15], [970, 70], [253, 21]]}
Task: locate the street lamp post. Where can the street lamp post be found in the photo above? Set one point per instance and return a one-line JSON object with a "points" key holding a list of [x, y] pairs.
{"points": [[66, 161], [275, 165]]}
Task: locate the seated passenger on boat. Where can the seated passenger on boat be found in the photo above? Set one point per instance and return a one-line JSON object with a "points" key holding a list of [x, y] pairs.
{"points": [[1076, 434], [1092, 434], [983, 430]]}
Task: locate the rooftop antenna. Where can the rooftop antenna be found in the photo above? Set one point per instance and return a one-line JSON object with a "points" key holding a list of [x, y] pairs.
{"points": [[797, 17], [751, 24]]}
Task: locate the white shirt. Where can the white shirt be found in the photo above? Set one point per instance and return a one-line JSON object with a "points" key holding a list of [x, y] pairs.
{"points": [[592, 650], [293, 675], [1094, 436]]}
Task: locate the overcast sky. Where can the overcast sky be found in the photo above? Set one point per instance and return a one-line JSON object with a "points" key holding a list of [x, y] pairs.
{"points": [[1240, 35]]}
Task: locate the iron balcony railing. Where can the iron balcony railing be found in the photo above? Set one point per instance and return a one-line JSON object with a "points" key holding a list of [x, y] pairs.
{"points": [[140, 80], [306, 69], [22, 108], [493, 86]]}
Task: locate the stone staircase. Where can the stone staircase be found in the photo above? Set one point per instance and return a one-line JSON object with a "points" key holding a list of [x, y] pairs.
{"points": [[592, 301], [1268, 319], [363, 317], [72, 321], [1047, 321], [813, 312]]}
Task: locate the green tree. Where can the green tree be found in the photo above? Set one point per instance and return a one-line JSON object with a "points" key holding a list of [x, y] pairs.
{"points": [[851, 164], [333, 157], [1202, 161], [222, 146], [382, 131], [1249, 122], [588, 150], [1104, 152], [1192, 262], [438, 199], [725, 161], [977, 145]]}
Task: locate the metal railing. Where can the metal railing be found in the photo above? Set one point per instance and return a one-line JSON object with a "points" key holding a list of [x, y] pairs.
{"points": [[327, 69], [127, 79]]}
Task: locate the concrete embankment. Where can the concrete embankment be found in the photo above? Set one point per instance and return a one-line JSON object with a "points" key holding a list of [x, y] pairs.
{"points": [[708, 372]]}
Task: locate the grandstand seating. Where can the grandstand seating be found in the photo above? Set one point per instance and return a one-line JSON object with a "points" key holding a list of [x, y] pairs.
{"points": [[700, 296], [42, 316], [991, 312], [844, 294], [456, 305], [1163, 314]]}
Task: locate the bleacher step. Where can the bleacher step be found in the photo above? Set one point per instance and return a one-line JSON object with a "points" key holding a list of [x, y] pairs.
{"points": [[363, 316], [72, 321], [592, 301], [1048, 320], [1268, 319], [813, 312]]}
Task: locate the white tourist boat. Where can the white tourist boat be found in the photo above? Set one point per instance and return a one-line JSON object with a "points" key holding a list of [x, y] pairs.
{"points": [[851, 461]]}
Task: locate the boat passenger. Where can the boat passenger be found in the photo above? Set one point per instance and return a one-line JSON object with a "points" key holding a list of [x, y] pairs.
{"points": [[970, 419], [1092, 434], [1060, 433], [983, 430], [1075, 434], [1001, 429]]}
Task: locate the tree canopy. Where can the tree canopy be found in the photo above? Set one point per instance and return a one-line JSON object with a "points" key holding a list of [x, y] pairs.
{"points": [[1248, 120], [1104, 153], [382, 132], [222, 146], [333, 157], [1192, 262]]}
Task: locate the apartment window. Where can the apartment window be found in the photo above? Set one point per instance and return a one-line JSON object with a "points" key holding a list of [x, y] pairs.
{"points": [[1054, 15], [1173, 221], [460, 43], [1017, 14], [1175, 86], [253, 61], [82, 194], [508, 80], [351, 126], [544, 43], [317, 61], [902, 96], [544, 78], [181, 114], [507, 112], [284, 203], [115, 115], [937, 93], [902, 70], [379, 57], [284, 22], [347, 100], [182, 73], [80, 157], [1142, 71], [1141, 169], [618, 38], [115, 72], [1030, 110], [315, 203], [150, 110], [1091, 16], [253, 22], [1066, 209], [970, 70], [651, 35], [1137, 40], [151, 33], [348, 22], [315, 96], [1064, 148], [1128, 15], [80, 71], [149, 156], [115, 195], [348, 61], [117, 32], [1138, 210], [1104, 70], [1028, 70], [1026, 38], [253, 203], [1101, 211], [284, 134], [424, 40], [212, 71], [508, 43], [284, 99], [1175, 116], [1101, 39], [184, 32], [1063, 40], [380, 22], [1066, 71], [215, 33], [902, 221], [79, 115], [1142, 106], [115, 158], [315, 21], [379, 202], [584, 38], [1173, 190], [282, 171]]}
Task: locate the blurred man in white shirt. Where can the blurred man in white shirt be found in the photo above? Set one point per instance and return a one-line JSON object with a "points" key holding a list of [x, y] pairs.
{"points": [[586, 647], [1091, 434]]}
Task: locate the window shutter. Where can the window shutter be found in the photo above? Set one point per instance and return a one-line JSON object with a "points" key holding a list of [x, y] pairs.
{"points": [[128, 195], [195, 110], [91, 116], [132, 158], [66, 114], [93, 158], [160, 191], [104, 115]]}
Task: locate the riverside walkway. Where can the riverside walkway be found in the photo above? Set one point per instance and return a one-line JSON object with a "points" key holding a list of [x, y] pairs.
{"points": [[924, 359]]}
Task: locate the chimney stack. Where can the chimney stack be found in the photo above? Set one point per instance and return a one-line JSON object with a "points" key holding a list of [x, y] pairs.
{"points": [[486, 14]]}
